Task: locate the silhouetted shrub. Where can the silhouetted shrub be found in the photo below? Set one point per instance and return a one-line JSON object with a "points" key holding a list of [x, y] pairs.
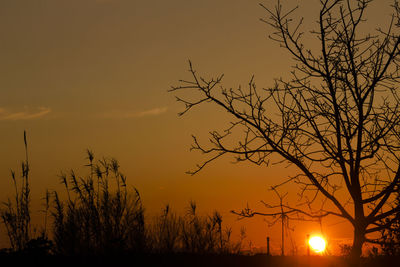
{"points": [[345, 250], [390, 239], [39, 246]]}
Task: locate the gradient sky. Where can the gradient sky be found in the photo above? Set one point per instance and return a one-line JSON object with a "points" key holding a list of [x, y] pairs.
{"points": [[79, 74]]}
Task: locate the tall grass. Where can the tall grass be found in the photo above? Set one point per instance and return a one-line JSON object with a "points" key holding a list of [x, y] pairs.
{"points": [[165, 231], [192, 233], [101, 218], [16, 214], [101, 215]]}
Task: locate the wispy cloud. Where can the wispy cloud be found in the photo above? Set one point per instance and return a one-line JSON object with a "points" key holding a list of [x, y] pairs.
{"points": [[118, 114], [152, 112], [27, 114]]}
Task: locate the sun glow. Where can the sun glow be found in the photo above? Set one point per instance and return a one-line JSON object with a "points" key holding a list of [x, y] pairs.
{"points": [[317, 243]]}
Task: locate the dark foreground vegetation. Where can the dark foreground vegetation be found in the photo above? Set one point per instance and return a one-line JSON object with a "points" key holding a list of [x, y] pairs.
{"points": [[99, 218], [100, 221]]}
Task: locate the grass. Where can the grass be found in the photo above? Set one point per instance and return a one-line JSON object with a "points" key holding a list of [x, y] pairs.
{"points": [[102, 216], [16, 214], [192, 233]]}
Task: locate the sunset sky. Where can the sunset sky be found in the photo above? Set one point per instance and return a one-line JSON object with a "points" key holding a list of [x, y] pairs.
{"points": [[78, 74]]}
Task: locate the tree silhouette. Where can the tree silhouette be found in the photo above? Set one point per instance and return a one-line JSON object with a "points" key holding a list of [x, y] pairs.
{"points": [[336, 119]]}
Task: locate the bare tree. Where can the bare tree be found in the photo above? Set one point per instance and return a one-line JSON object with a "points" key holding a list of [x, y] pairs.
{"points": [[338, 115]]}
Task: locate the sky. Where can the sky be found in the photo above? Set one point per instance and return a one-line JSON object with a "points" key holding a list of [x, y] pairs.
{"points": [[95, 74]]}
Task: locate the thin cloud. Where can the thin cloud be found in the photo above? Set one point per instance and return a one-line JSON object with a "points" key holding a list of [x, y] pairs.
{"points": [[23, 115], [152, 112], [136, 114]]}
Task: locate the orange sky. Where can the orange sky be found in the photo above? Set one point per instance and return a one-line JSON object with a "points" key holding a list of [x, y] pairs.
{"points": [[80, 74]]}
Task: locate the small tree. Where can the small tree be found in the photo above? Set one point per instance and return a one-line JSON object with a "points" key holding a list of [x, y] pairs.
{"points": [[337, 117]]}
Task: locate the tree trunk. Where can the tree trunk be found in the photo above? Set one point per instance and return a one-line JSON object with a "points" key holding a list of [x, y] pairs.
{"points": [[358, 241]]}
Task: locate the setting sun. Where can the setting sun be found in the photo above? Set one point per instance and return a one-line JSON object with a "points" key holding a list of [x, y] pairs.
{"points": [[317, 243]]}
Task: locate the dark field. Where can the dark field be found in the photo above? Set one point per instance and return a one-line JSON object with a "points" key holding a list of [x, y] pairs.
{"points": [[192, 260]]}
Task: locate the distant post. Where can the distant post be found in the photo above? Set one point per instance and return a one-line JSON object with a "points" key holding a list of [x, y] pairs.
{"points": [[268, 252], [283, 231], [308, 245]]}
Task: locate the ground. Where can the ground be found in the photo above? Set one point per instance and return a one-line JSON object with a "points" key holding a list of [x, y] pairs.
{"points": [[191, 260]]}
